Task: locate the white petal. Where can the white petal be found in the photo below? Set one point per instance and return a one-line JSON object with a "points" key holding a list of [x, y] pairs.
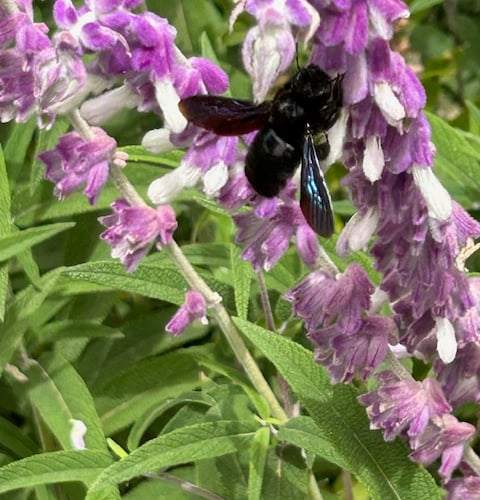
{"points": [[166, 188], [168, 100], [391, 108], [313, 25], [215, 179], [99, 109], [336, 138], [236, 11], [77, 434], [438, 200], [357, 232], [262, 59], [379, 24], [446, 341], [373, 159], [157, 141]]}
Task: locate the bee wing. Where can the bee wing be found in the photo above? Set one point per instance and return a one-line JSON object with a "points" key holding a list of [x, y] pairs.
{"points": [[223, 115], [315, 200]]}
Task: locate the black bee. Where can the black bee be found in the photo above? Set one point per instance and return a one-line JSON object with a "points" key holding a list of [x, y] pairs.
{"points": [[308, 104]]}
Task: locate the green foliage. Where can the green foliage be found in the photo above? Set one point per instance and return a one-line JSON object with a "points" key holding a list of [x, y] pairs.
{"points": [[177, 417]]}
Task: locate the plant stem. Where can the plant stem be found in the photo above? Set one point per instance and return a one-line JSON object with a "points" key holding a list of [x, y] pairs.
{"points": [[224, 321], [213, 300]]}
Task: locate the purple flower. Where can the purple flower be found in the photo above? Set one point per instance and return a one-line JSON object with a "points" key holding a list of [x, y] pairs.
{"points": [[265, 237], [207, 159], [418, 230], [131, 230], [269, 48], [17, 99], [445, 438], [403, 405], [37, 76], [460, 379], [194, 307], [137, 50], [321, 299], [464, 488], [75, 162], [346, 355]]}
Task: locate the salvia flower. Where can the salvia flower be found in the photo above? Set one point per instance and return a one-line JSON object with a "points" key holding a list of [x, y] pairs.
{"points": [[132, 230], [463, 488], [36, 75], [269, 47], [75, 162], [194, 307], [398, 406], [324, 299], [265, 237], [445, 438], [358, 353], [460, 379], [418, 230]]}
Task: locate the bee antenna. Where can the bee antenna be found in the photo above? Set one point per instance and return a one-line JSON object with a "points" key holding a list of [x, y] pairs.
{"points": [[296, 55]]}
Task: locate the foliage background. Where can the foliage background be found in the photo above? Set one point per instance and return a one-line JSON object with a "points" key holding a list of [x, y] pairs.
{"points": [[82, 339]]}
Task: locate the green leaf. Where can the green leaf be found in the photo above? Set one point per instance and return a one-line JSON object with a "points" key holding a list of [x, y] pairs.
{"points": [[41, 206], [68, 329], [384, 468], [304, 433], [126, 397], [5, 217], [157, 282], [142, 340], [54, 467], [163, 282], [17, 146], [242, 279], [189, 444], [17, 242], [138, 154], [457, 163], [258, 458], [207, 360], [59, 394], [141, 424], [474, 117], [208, 254], [24, 304], [286, 475], [419, 5], [13, 439]]}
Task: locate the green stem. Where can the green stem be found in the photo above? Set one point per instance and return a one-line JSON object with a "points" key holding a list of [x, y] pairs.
{"points": [[226, 324], [213, 300]]}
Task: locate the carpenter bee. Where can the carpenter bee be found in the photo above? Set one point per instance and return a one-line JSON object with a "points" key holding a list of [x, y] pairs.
{"points": [[307, 105]]}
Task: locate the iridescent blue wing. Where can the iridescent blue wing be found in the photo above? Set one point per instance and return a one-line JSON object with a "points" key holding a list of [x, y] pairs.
{"points": [[315, 200]]}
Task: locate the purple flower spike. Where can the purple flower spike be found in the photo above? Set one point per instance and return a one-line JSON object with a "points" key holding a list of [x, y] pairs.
{"points": [[460, 380], [269, 48], [75, 162], [131, 230], [321, 299], [446, 438], [194, 307], [265, 240], [358, 354], [36, 75], [463, 489], [398, 405]]}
